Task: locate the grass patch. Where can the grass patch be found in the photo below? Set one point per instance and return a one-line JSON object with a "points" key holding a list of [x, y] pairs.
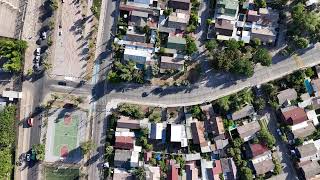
{"points": [[53, 173], [96, 8]]}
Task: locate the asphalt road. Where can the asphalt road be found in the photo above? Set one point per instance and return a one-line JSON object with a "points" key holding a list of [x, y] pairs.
{"points": [[109, 13], [213, 85], [283, 151]]}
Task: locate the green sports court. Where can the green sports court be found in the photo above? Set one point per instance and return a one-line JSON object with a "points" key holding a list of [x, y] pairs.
{"points": [[53, 173], [66, 133]]}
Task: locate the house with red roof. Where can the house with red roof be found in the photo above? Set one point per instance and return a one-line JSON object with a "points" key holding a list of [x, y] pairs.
{"points": [[257, 149], [293, 115], [217, 169], [124, 142], [173, 172]]}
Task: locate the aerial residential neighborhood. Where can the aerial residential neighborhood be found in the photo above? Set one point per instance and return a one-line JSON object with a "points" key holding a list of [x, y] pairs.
{"points": [[159, 89]]}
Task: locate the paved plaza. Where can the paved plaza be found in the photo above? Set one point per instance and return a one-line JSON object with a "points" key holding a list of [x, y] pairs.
{"points": [[70, 48]]}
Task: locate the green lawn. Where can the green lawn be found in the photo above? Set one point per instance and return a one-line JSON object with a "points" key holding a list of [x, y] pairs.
{"points": [[65, 135], [52, 173]]}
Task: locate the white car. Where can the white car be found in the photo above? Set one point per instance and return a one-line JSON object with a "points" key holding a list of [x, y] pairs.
{"points": [[279, 132], [38, 51], [44, 35], [28, 157], [37, 59], [199, 21]]}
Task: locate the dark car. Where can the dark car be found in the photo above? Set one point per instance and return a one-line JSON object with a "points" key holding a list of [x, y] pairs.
{"points": [[62, 83], [144, 94]]}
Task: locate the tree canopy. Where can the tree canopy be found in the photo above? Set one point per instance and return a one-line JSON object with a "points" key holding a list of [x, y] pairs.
{"points": [[262, 56], [130, 110], [11, 54], [125, 73], [191, 46]]}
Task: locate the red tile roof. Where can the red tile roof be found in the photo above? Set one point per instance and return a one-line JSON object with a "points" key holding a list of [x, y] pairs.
{"points": [[257, 149], [294, 116], [217, 169], [123, 142], [173, 173]]}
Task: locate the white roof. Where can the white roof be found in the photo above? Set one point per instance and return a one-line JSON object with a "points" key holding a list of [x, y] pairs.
{"points": [[134, 157], [317, 144], [12, 95], [313, 116], [137, 52], [311, 2], [246, 36], [176, 132], [124, 133], [137, 148]]}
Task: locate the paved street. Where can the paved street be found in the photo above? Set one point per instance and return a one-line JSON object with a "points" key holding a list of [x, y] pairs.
{"points": [[214, 86], [283, 152]]}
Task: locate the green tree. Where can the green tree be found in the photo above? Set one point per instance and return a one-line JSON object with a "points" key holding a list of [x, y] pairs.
{"points": [[232, 44], [196, 112], [300, 42], [243, 66], [211, 45], [266, 137], [256, 42], [237, 142], [224, 103], [261, 3], [309, 72], [139, 173], [277, 166], [155, 117], [40, 151], [259, 103], [298, 142], [246, 173], [108, 152], [6, 163], [167, 12], [262, 56], [87, 146], [191, 46], [130, 110]]}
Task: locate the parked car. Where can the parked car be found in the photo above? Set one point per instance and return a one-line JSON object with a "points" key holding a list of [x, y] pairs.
{"points": [[30, 122], [62, 83], [28, 157], [60, 33], [38, 51], [279, 132], [44, 35], [37, 59], [144, 94]]}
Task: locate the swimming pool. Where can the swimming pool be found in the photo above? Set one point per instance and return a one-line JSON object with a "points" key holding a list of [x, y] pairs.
{"points": [[308, 86]]}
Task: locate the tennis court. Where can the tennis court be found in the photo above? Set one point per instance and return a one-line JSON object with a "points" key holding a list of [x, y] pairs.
{"points": [[53, 173], [66, 133]]}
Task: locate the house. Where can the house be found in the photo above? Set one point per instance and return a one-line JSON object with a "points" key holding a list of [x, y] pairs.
{"points": [[178, 134], [192, 157], [266, 34], [122, 174], [229, 169], [218, 121], [246, 111], [217, 169], [139, 56], [308, 152], [156, 131], [179, 4], [221, 142], [224, 27], [171, 63], [287, 95], [257, 149], [312, 115], [197, 129], [178, 43], [293, 115], [178, 20], [152, 173], [191, 171], [303, 129], [249, 130], [253, 16], [173, 172], [263, 163], [124, 142], [134, 159], [138, 18], [315, 83], [134, 35], [227, 9], [126, 122], [122, 158], [311, 170]]}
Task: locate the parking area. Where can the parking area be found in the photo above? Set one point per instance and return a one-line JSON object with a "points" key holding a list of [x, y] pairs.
{"points": [[64, 134], [70, 48], [9, 18]]}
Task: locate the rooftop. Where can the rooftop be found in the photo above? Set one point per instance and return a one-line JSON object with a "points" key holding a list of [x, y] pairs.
{"points": [[288, 94], [263, 166], [248, 129], [258, 149], [198, 132], [311, 169], [179, 17], [139, 14], [307, 150], [244, 112], [176, 40], [171, 60], [294, 115]]}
